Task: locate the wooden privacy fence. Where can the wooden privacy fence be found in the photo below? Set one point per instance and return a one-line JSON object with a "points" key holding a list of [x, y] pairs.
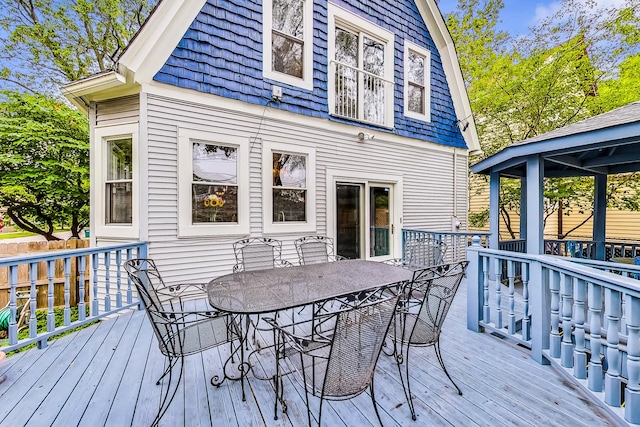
{"points": [[24, 283]]}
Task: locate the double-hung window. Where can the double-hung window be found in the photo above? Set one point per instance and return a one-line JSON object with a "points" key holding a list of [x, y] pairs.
{"points": [[288, 188], [361, 69], [417, 63], [212, 184], [287, 41], [115, 200]]}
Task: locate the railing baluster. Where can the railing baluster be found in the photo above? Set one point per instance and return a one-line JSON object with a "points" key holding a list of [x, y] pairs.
{"points": [[67, 291], [566, 299], [33, 299], [486, 313], [118, 279], [612, 381], [580, 356], [512, 297], [51, 318], [555, 338], [632, 394], [595, 312], [13, 310], [107, 281], [526, 322], [82, 265], [498, 265], [129, 291], [95, 309]]}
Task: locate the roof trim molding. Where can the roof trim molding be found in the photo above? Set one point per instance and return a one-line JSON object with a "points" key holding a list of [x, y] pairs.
{"points": [[442, 38], [81, 91]]}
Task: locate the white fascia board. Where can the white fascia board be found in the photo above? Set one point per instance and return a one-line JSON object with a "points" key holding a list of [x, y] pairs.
{"points": [[91, 85], [158, 37], [444, 43]]}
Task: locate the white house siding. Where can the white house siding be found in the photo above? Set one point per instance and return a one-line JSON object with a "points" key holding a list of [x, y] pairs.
{"points": [[118, 111], [426, 173]]}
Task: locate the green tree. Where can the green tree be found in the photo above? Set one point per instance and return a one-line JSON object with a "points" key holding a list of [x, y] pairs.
{"points": [[46, 43], [520, 88], [44, 164]]}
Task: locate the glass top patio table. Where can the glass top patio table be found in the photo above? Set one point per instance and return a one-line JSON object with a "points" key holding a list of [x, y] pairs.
{"points": [[262, 291]]}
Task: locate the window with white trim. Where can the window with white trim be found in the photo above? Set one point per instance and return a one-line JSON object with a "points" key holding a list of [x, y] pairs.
{"points": [[361, 76], [115, 198], [287, 41], [212, 184], [288, 188], [417, 93]]}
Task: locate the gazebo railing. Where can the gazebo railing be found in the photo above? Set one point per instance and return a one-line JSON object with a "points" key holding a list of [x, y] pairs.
{"points": [[582, 319], [98, 269]]}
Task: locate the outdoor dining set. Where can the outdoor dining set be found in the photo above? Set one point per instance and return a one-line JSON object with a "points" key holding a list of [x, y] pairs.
{"points": [[326, 321]]}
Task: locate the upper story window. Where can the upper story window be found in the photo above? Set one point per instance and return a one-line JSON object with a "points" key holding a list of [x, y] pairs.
{"points": [[361, 73], [417, 66], [115, 200], [287, 41], [213, 184], [288, 188], [119, 181]]}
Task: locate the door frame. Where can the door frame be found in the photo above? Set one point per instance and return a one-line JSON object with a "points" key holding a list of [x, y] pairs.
{"points": [[335, 176]]}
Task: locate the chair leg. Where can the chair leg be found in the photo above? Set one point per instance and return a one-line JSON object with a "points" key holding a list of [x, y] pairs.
{"points": [[439, 355], [406, 387], [172, 363], [373, 400], [165, 400]]}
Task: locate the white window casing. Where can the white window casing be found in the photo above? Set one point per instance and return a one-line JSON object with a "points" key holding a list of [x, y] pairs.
{"points": [[186, 227], [426, 55], [273, 227], [306, 82], [101, 136]]}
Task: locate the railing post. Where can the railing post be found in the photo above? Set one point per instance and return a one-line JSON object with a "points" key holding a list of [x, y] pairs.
{"points": [[526, 321], [555, 338], [540, 313], [51, 318], [475, 285], [632, 392], [13, 309]]}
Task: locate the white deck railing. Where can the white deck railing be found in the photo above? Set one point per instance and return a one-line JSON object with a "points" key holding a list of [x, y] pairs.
{"points": [[456, 241], [582, 318], [99, 268]]}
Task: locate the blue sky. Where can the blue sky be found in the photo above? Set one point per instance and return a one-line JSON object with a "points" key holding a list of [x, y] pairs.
{"points": [[518, 15]]}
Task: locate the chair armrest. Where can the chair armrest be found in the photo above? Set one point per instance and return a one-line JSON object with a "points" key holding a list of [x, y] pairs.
{"points": [[301, 342], [282, 263]]}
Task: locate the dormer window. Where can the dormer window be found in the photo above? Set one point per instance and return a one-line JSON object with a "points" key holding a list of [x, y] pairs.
{"points": [[287, 43]]}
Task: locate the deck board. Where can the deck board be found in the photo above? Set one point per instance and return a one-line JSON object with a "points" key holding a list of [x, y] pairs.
{"points": [[106, 374]]}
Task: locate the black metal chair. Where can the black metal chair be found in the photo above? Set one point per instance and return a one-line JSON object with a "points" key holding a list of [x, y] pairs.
{"points": [[422, 310], [258, 253], [316, 249], [421, 252], [336, 353], [180, 332]]}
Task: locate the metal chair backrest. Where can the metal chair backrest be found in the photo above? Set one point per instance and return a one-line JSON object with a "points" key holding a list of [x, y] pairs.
{"points": [[434, 288], [424, 252], [256, 253], [357, 341], [314, 249]]}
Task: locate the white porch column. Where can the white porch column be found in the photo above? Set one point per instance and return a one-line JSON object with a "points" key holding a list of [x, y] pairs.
{"points": [[534, 208], [494, 210], [600, 215]]}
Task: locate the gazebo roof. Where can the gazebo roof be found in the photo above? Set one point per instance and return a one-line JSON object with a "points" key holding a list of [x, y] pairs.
{"points": [[605, 144]]}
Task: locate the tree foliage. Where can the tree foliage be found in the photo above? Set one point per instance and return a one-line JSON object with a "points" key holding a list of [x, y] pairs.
{"points": [[577, 63], [46, 43], [44, 164]]}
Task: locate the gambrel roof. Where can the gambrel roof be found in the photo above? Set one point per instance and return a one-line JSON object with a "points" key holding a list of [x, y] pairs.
{"points": [[166, 26]]}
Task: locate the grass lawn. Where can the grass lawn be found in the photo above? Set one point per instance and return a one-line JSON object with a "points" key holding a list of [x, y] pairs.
{"points": [[16, 234]]}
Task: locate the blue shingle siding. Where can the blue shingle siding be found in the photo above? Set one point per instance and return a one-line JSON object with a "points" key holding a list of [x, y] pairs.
{"points": [[221, 54]]}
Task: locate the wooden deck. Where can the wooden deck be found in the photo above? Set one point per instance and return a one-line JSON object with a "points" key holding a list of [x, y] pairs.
{"points": [[105, 375]]}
